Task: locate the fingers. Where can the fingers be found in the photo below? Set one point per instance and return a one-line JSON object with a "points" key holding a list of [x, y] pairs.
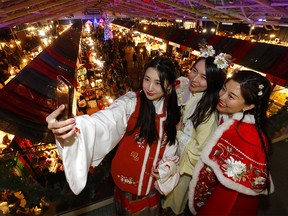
{"points": [[66, 135], [61, 129], [155, 173], [236, 70], [53, 116]]}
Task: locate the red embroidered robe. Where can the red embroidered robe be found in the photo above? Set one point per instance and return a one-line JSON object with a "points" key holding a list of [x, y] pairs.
{"points": [[131, 166], [231, 172]]}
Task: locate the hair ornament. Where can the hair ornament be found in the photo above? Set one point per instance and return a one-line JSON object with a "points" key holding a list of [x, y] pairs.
{"points": [[206, 50], [223, 61], [260, 93]]}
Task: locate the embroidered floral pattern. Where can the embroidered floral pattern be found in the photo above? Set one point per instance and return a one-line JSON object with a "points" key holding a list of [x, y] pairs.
{"points": [[140, 141], [238, 166], [134, 155], [126, 180], [77, 130], [234, 169], [259, 181], [205, 186]]}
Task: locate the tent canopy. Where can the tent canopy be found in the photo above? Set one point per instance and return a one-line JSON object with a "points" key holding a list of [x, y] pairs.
{"points": [[31, 95]]}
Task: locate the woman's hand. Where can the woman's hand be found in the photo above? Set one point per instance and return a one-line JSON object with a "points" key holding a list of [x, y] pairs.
{"points": [[61, 129], [180, 125], [155, 173]]}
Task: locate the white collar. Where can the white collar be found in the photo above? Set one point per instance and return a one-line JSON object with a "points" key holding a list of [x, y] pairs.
{"points": [[158, 104], [237, 116]]}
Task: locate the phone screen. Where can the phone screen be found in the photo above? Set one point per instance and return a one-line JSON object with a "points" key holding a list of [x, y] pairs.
{"points": [[64, 96]]}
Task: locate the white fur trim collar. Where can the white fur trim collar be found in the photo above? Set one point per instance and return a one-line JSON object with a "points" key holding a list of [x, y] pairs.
{"points": [[207, 150], [248, 118]]}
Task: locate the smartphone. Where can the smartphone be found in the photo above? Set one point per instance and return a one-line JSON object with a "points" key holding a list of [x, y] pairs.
{"points": [[64, 96]]}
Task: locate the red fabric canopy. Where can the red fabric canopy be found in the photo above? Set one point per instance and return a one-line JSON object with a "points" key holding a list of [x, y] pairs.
{"points": [[30, 96], [266, 58]]}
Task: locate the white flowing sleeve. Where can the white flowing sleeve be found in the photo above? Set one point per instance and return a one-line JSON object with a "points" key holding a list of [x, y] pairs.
{"points": [[95, 137]]}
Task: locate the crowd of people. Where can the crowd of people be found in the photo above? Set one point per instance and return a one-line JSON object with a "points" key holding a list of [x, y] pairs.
{"points": [[185, 145], [113, 74]]}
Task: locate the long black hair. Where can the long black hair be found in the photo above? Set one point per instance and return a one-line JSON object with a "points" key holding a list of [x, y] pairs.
{"points": [[256, 89], [146, 120], [215, 79]]}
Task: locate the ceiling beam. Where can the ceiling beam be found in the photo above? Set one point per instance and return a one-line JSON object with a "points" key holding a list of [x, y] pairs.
{"points": [[227, 12], [166, 12], [49, 14], [191, 10], [268, 5], [237, 6], [32, 10], [17, 7]]}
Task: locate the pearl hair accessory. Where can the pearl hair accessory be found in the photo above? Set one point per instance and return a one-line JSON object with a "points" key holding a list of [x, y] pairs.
{"points": [[261, 86]]}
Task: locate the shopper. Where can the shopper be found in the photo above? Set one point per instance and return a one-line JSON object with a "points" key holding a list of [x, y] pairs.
{"points": [[144, 125], [199, 96], [234, 166]]}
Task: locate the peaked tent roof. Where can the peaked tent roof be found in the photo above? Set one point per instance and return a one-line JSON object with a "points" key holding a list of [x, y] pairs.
{"points": [[30, 96]]}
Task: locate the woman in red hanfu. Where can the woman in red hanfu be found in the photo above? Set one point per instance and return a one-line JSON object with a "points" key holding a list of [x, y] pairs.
{"points": [[234, 166], [144, 125]]}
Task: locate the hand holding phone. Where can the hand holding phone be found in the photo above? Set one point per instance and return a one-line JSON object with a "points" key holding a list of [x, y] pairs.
{"points": [[64, 96]]}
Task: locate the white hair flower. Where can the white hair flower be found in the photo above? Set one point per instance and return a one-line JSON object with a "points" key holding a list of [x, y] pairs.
{"points": [[220, 61], [207, 51]]}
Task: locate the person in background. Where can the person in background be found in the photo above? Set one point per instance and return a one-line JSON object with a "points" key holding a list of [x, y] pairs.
{"points": [[125, 66], [140, 59], [144, 125], [234, 166], [199, 96]]}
